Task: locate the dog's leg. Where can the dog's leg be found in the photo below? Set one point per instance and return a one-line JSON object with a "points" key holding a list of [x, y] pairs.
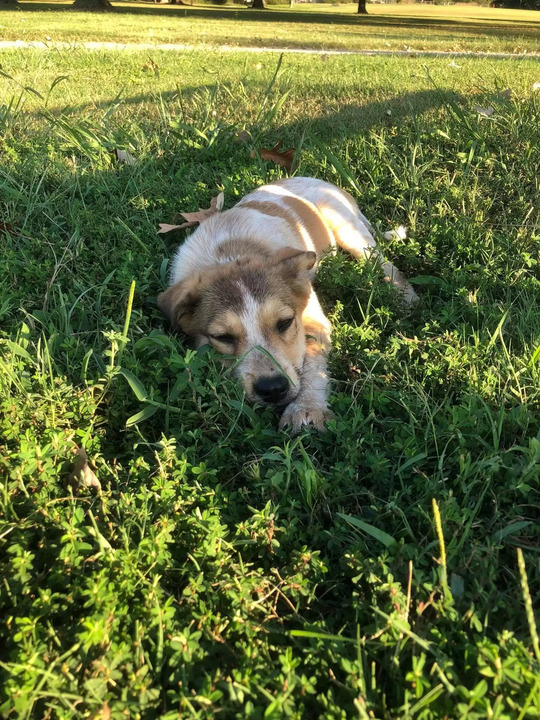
{"points": [[310, 406], [355, 243], [355, 234]]}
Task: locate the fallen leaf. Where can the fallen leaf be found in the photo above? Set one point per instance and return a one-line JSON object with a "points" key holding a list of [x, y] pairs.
{"points": [[244, 136], [104, 713], [484, 112], [285, 158], [151, 65], [124, 157], [165, 227], [195, 218], [6, 228], [82, 475], [507, 94]]}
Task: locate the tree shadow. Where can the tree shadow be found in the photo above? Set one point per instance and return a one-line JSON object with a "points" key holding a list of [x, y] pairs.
{"points": [[343, 123]]}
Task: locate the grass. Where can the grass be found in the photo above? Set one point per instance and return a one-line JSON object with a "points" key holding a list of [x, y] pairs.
{"points": [[387, 27], [223, 568]]}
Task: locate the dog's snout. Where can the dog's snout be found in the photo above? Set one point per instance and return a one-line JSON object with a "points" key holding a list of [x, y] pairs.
{"points": [[272, 389]]}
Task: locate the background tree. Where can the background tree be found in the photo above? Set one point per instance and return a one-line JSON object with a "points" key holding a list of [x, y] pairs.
{"points": [[91, 5], [257, 5], [362, 10], [8, 2]]}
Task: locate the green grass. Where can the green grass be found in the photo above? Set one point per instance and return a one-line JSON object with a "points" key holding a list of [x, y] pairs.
{"points": [[387, 27], [225, 569]]}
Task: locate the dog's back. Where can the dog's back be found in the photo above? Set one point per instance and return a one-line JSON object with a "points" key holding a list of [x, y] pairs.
{"points": [[302, 213]]}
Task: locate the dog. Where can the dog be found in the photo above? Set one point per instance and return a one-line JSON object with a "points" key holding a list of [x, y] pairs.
{"points": [[242, 282]]}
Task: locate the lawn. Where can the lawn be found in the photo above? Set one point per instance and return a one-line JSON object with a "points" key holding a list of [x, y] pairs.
{"points": [[211, 565], [387, 27]]}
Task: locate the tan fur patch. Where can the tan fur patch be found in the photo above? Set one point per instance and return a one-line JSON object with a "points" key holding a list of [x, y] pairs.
{"points": [[298, 214], [227, 323], [312, 220], [266, 207], [237, 248]]}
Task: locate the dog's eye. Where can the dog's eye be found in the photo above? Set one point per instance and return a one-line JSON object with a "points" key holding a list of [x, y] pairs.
{"points": [[283, 325], [224, 339]]}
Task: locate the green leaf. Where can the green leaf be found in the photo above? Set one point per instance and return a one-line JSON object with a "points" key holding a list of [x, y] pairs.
{"points": [[535, 356], [384, 538], [511, 529], [428, 280], [16, 349], [321, 636], [144, 414], [135, 384]]}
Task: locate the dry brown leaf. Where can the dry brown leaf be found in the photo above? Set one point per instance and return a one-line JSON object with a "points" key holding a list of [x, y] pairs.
{"points": [[82, 474], [151, 65], [165, 227], [104, 713], [285, 158], [6, 228], [124, 157], [244, 136], [507, 94], [484, 112], [195, 218]]}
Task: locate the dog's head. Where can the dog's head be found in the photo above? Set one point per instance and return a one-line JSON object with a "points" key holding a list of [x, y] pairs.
{"points": [[250, 309]]}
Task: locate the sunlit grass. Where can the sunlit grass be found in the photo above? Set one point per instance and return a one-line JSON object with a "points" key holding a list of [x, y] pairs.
{"points": [[225, 569]]}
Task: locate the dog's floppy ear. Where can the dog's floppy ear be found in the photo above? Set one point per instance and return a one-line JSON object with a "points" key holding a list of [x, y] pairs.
{"points": [[292, 261], [178, 303], [296, 268]]}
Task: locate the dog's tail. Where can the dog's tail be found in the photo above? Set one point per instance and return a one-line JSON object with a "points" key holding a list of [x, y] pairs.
{"points": [[399, 234]]}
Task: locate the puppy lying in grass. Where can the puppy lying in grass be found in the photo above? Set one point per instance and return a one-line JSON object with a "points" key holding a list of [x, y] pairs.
{"points": [[242, 283]]}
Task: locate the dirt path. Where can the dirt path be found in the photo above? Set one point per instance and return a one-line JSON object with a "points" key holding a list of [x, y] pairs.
{"points": [[40, 45]]}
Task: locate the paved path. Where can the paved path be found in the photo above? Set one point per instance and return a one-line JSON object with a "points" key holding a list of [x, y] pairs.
{"points": [[40, 45]]}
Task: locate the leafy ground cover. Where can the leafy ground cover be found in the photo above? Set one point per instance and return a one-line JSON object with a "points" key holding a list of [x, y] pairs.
{"points": [[461, 28], [223, 568]]}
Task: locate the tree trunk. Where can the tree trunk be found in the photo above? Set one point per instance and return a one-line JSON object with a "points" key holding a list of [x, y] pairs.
{"points": [[91, 5], [8, 2], [362, 10], [257, 5]]}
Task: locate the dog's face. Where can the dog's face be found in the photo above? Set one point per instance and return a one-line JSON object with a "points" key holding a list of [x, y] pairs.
{"points": [[250, 309]]}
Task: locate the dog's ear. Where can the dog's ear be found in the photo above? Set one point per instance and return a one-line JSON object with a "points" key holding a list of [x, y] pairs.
{"points": [[179, 302], [293, 262], [295, 267]]}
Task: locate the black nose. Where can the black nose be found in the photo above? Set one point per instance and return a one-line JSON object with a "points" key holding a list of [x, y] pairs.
{"points": [[272, 389]]}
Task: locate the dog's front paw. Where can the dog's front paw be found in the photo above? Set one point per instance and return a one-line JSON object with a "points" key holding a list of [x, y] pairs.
{"points": [[301, 414]]}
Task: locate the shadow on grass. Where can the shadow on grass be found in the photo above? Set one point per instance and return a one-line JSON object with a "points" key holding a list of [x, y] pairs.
{"points": [[344, 123]]}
